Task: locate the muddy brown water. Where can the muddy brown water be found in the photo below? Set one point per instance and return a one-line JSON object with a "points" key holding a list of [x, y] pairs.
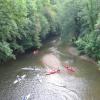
{"points": [[25, 79]]}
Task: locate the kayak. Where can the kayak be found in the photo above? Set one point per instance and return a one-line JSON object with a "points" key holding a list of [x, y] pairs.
{"points": [[69, 68], [49, 72]]}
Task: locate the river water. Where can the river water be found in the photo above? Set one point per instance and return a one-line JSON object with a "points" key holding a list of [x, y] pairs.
{"points": [[25, 79]]}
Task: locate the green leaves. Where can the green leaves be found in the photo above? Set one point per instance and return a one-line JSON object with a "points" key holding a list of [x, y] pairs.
{"points": [[80, 22], [90, 45], [23, 25], [5, 52]]}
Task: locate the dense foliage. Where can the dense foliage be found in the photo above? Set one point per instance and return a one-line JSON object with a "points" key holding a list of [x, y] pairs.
{"points": [[81, 20], [24, 24]]}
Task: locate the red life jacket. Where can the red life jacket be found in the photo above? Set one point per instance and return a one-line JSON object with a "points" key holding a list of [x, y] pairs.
{"points": [[69, 68]]}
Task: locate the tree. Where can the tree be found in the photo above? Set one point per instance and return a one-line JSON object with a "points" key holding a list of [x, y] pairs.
{"points": [[24, 24]]}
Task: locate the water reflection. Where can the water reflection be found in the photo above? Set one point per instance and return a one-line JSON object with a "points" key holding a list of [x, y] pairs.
{"points": [[55, 51], [35, 85], [31, 68], [26, 97], [57, 85], [19, 78]]}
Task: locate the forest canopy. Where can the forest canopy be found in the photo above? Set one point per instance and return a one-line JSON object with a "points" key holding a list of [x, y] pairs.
{"points": [[24, 24], [80, 22]]}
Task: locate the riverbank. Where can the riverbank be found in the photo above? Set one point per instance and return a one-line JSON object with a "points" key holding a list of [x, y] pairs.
{"points": [[75, 52]]}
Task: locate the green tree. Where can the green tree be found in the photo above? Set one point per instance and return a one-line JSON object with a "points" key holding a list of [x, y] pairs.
{"points": [[24, 24]]}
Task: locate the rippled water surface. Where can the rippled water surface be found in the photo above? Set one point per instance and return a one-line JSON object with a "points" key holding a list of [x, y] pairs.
{"points": [[25, 79]]}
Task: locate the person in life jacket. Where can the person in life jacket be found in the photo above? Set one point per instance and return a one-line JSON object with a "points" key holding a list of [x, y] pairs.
{"points": [[69, 68], [35, 52]]}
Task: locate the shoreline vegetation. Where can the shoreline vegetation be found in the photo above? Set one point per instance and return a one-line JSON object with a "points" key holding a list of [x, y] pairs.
{"points": [[80, 22], [75, 52]]}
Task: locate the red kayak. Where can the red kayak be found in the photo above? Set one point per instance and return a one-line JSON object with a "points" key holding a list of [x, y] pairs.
{"points": [[49, 72], [69, 68]]}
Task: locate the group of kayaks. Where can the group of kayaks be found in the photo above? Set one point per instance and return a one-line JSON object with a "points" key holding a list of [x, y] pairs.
{"points": [[66, 67]]}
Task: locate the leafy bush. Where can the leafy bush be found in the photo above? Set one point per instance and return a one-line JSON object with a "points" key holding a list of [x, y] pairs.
{"points": [[5, 52]]}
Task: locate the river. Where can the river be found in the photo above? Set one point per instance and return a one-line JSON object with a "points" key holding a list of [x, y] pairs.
{"points": [[25, 79]]}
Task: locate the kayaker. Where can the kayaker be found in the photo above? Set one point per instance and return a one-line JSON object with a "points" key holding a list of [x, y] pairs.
{"points": [[35, 52], [52, 64]]}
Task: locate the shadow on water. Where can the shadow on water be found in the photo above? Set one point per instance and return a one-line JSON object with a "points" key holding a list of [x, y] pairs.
{"points": [[31, 82]]}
